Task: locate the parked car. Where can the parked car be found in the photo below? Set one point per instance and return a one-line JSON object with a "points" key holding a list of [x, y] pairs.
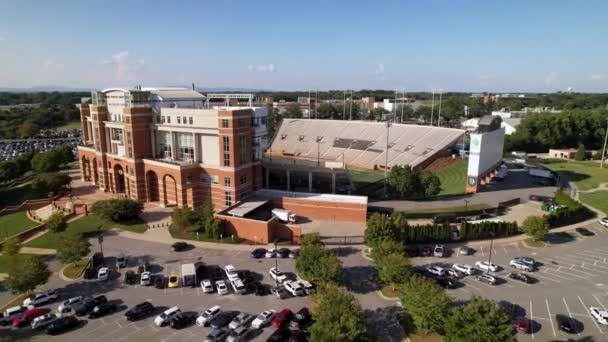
{"points": [[145, 279], [280, 292], [246, 276], [180, 246], [263, 318], [242, 319], [61, 325], [102, 310], [301, 319], [165, 317], [43, 321], [522, 277], [160, 282], [216, 335], [283, 252], [223, 319], [26, 318], [600, 315], [566, 324], [526, 260], [277, 274], [282, 318], [444, 218], [130, 278], [88, 304], [426, 251], [446, 282], [464, 250], [207, 286], [173, 281], [181, 321], [486, 278], [271, 253], [309, 288], [238, 334], [258, 253], [521, 324], [520, 266], [454, 273], [41, 298], [435, 271], [487, 266], [69, 303], [412, 251], [221, 287], [238, 286], [295, 288], [139, 311], [604, 221], [257, 288], [439, 251], [280, 335], [231, 272], [294, 253], [584, 231], [121, 261], [103, 274], [206, 316]]}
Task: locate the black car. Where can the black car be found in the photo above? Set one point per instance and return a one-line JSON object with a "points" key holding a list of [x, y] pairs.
{"points": [[139, 311], [445, 282], [246, 276], [301, 319], [298, 336], [97, 260], [160, 282], [88, 304], [180, 246], [130, 278], [565, 323], [223, 319], [283, 252], [412, 251], [143, 267], [258, 253], [181, 321], [522, 277], [280, 335], [214, 272], [102, 310], [258, 289], [444, 218], [61, 325], [584, 231]]}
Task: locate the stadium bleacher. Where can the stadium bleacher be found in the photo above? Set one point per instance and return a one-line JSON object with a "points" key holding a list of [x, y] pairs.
{"points": [[362, 143]]}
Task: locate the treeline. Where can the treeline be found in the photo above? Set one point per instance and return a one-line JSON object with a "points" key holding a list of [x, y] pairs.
{"points": [[55, 109], [569, 129]]}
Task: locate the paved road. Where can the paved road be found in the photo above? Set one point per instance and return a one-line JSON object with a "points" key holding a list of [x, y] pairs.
{"points": [[573, 277]]}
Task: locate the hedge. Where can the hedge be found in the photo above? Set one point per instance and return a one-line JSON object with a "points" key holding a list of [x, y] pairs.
{"points": [[486, 230], [573, 211], [425, 233]]}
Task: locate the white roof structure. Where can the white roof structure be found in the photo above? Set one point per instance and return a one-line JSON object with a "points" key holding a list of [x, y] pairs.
{"points": [[361, 143], [175, 93]]}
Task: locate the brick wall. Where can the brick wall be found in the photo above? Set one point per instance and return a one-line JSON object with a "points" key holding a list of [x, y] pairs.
{"points": [[323, 210]]}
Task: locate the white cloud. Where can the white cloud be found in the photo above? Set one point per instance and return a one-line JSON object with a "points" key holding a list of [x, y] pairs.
{"points": [[379, 70], [126, 69], [552, 78], [600, 77], [262, 67]]}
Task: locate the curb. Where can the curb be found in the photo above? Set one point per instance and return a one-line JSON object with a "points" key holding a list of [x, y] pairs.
{"points": [[381, 295], [365, 255], [64, 278], [523, 243]]}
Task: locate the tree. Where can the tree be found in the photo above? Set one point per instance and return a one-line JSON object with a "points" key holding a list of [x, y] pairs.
{"points": [[114, 210], [404, 111], [213, 227], [377, 114], [183, 217], [293, 111], [8, 170], [384, 248], [327, 111], [56, 222], [424, 112], [30, 272], [426, 303], [72, 248], [536, 227], [27, 129], [272, 122], [46, 162], [24, 162], [394, 268], [480, 320], [64, 153], [51, 182], [11, 246], [337, 317], [316, 263], [430, 183], [405, 182], [580, 153], [380, 228]]}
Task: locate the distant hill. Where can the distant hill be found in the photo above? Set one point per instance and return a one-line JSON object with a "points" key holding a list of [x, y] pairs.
{"points": [[44, 89]]}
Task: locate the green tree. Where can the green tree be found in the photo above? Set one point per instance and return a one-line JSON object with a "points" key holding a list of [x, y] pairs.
{"points": [[580, 153], [24, 162], [72, 248], [183, 217], [384, 248], [480, 320], [213, 227], [424, 112], [536, 227], [8, 170], [405, 182], [327, 111], [11, 246], [426, 303], [56, 222], [64, 153], [114, 210], [46, 162], [430, 183], [51, 182], [293, 111], [377, 114], [316, 263], [337, 317], [394, 269], [27, 129], [30, 272], [272, 122], [380, 228]]}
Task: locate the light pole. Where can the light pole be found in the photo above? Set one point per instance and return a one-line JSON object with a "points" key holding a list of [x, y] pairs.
{"points": [[432, 107], [604, 150], [276, 263], [466, 206], [388, 125], [490, 256]]}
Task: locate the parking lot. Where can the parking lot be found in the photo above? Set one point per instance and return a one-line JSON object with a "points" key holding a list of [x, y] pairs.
{"points": [[572, 276]]}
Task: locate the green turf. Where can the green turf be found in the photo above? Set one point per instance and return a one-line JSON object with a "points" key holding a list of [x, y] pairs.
{"points": [[365, 176], [7, 261], [598, 200], [18, 194], [86, 225], [460, 209], [183, 235], [453, 178], [15, 223], [586, 175], [72, 125]]}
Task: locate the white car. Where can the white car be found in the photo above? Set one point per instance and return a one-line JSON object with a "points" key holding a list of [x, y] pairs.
{"points": [[271, 253], [277, 275], [103, 274], [263, 318], [69, 303], [487, 266], [146, 279], [242, 318], [41, 298], [231, 272], [604, 222], [308, 287], [41, 322], [204, 318], [167, 316], [466, 269], [207, 286], [121, 261], [436, 271], [600, 315], [296, 289], [238, 286], [221, 287], [520, 266]]}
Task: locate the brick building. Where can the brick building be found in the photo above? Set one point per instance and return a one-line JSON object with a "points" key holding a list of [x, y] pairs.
{"points": [[172, 146]]}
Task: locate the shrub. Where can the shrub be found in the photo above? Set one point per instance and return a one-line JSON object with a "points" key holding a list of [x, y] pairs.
{"points": [[536, 227], [123, 210], [11, 246], [573, 212], [51, 182], [487, 229], [56, 222]]}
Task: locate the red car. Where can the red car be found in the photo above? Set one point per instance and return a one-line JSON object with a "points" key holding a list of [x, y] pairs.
{"points": [[281, 318], [521, 324], [27, 318], [426, 251]]}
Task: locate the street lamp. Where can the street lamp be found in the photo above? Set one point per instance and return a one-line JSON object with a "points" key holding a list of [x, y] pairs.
{"points": [[466, 206], [490, 256], [276, 263]]}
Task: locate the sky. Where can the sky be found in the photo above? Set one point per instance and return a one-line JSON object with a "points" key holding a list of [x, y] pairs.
{"points": [[443, 45]]}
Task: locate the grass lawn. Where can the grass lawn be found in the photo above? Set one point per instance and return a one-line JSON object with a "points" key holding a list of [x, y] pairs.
{"points": [[471, 207], [15, 223], [598, 200], [179, 234], [408, 327], [365, 176], [5, 262], [16, 195], [72, 125], [586, 175], [453, 178], [86, 225], [74, 270]]}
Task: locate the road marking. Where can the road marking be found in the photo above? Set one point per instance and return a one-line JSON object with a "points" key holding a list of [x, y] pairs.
{"points": [[546, 270], [598, 301], [589, 313], [550, 318], [517, 246], [537, 274], [530, 320], [481, 248], [503, 247], [570, 314]]}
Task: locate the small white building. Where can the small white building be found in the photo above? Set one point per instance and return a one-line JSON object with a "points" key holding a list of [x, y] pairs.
{"points": [[470, 124], [510, 125]]}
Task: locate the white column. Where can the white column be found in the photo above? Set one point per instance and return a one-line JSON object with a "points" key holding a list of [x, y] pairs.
{"points": [[196, 149], [173, 145]]}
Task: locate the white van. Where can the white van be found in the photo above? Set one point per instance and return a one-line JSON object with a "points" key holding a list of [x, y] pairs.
{"points": [[12, 313], [294, 288], [167, 316]]}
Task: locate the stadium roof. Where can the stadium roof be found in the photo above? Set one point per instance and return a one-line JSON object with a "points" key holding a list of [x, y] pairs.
{"points": [[361, 143]]}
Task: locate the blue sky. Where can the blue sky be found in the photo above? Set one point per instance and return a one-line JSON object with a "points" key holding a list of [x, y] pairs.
{"points": [[411, 45]]}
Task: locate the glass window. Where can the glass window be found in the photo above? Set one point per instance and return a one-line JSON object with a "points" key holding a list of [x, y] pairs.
{"points": [[228, 198], [224, 123], [243, 150], [164, 144], [184, 120], [190, 120], [205, 178], [243, 180], [226, 151], [178, 119], [158, 119], [168, 119], [226, 181], [162, 119], [185, 146]]}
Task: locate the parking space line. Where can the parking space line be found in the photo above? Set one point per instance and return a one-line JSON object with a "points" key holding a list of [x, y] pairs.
{"points": [[482, 253], [589, 313], [531, 319], [537, 274], [591, 253], [546, 270], [581, 259], [505, 248], [598, 301], [570, 314], [550, 317]]}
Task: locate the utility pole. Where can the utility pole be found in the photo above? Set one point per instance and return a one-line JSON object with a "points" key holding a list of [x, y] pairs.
{"points": [[490, 256], [388, 126], [402, 96], [604, 150], [439, 121], [344, 106], [432, 107], [351, 105]]}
